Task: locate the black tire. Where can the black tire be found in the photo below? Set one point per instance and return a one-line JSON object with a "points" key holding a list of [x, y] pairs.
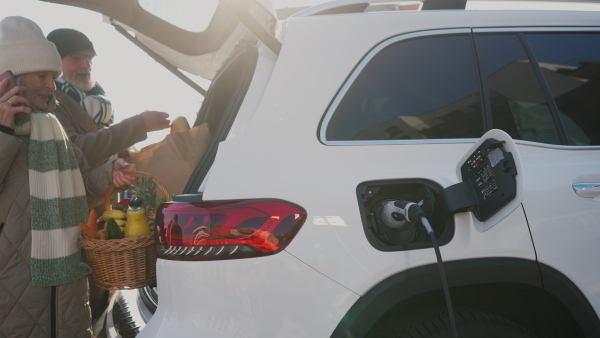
{"points": [[470, 323], [124, 324]]}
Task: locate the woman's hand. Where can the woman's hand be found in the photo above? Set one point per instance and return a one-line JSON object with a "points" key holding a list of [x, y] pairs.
{"points": [[119, 173], [8, 102]]}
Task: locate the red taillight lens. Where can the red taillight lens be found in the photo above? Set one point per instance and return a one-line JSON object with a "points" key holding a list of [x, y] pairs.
{"points": [[225, 229]]}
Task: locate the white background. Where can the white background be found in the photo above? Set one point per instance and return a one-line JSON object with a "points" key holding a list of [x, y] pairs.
{"points": [[133, 81]]}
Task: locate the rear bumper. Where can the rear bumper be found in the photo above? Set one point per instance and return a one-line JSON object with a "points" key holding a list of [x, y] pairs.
{"points": [[274, 296]]}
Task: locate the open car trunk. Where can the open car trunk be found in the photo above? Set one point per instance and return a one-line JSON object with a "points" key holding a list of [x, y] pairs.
{"points": [[195, 36], [207, 39]]}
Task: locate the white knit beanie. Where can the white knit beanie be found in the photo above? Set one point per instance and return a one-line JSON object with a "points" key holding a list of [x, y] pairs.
{"points": [[24, 48]]}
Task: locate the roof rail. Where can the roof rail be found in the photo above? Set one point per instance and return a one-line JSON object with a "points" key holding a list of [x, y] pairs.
{"points": [[443, 4], [360, 6]]}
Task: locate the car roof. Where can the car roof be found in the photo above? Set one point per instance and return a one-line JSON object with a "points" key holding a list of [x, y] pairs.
{"points": [[203, 52]]}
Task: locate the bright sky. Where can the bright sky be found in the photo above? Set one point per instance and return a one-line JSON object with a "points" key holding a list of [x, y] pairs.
{"points": [[133, 81]]}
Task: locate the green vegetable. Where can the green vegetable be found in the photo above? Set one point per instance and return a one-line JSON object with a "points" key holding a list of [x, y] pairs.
{"points": [[123, 208], [114, 232]]}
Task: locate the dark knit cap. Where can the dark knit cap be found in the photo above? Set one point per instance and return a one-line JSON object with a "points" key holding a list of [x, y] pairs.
{"points": [[69, 41]]}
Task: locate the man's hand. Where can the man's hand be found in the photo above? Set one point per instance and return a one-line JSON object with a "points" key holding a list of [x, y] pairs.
{"points": [[155, 120], [119, 173]]}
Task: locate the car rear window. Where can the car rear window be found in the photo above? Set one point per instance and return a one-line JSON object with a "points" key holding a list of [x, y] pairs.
{"points": [[416, 89]]}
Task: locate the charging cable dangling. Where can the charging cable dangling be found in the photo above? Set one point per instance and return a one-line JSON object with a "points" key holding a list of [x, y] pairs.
{"points": [[413, 213]]}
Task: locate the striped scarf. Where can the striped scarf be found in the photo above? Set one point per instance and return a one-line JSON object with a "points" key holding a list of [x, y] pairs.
{"points": [[94, 102], [58, 203]]}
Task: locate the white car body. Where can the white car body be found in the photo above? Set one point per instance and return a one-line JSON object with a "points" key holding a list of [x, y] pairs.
{"points": [[276, 148], [306, 290]]}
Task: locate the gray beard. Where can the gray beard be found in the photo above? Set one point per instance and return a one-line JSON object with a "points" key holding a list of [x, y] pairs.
{"points": [[81, 85]]}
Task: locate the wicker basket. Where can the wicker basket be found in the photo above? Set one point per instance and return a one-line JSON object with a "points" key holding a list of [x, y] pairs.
{"points": [[120, 264]]}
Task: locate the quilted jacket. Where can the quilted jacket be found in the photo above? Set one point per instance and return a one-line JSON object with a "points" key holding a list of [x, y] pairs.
{"points": [[59, 311]]}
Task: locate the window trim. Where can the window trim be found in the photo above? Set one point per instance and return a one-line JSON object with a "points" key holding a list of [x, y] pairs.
{"points": [[555, 29], [322, 131]]}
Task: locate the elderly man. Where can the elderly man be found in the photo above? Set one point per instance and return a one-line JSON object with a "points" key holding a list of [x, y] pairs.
{"points": [[84, 110], [87, 117]]}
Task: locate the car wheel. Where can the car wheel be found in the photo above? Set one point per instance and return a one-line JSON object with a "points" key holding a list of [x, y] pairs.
{"points": [[124, 324], [470, 323]]}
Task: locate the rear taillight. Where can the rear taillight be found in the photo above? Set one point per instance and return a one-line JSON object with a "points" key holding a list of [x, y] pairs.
{"points": [[225, 229]]}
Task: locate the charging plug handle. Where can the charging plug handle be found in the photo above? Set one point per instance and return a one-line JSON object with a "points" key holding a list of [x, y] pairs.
{"points": [[411, 211]]}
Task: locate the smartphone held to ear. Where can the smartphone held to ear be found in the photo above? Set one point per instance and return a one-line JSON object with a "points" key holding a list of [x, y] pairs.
{"points": [[8, 75]]}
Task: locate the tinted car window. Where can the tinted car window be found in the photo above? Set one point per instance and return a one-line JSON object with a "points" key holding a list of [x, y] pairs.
{"points": [[571, 65], [517, 101], [416, 89]]}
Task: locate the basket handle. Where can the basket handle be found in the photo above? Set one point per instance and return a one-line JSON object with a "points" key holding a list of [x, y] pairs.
{"points": [[138, 174]]}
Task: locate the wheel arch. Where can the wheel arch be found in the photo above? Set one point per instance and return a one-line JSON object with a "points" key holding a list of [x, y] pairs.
{"points": [[403, 288]]}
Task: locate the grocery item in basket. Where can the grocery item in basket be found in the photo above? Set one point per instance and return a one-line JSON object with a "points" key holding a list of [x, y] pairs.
{"points": [[89, 231], [114, 231], [120, 264], [136, 224], [92, 220], [116, 214], [120, 222]]}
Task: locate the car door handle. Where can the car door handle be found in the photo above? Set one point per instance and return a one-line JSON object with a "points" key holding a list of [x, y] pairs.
{"points": [[587, 189]]}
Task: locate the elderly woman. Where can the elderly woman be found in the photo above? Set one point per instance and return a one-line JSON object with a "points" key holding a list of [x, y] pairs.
{"points": [[45, 186]]}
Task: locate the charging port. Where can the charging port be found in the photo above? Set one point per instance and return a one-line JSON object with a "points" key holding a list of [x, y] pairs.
{"points": [[387, 230]]}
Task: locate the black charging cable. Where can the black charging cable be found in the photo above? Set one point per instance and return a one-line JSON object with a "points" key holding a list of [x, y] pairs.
{"points": [[413, 213]]}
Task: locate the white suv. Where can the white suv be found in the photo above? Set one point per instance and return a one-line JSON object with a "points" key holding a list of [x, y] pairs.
{"points": [[331, 126]]}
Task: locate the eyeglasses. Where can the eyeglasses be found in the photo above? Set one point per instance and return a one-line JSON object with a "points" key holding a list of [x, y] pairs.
{"points": [[77, 58]]}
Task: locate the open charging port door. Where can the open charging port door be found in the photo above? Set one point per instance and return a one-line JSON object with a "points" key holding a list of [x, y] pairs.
{"points": [[492, 181]]}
